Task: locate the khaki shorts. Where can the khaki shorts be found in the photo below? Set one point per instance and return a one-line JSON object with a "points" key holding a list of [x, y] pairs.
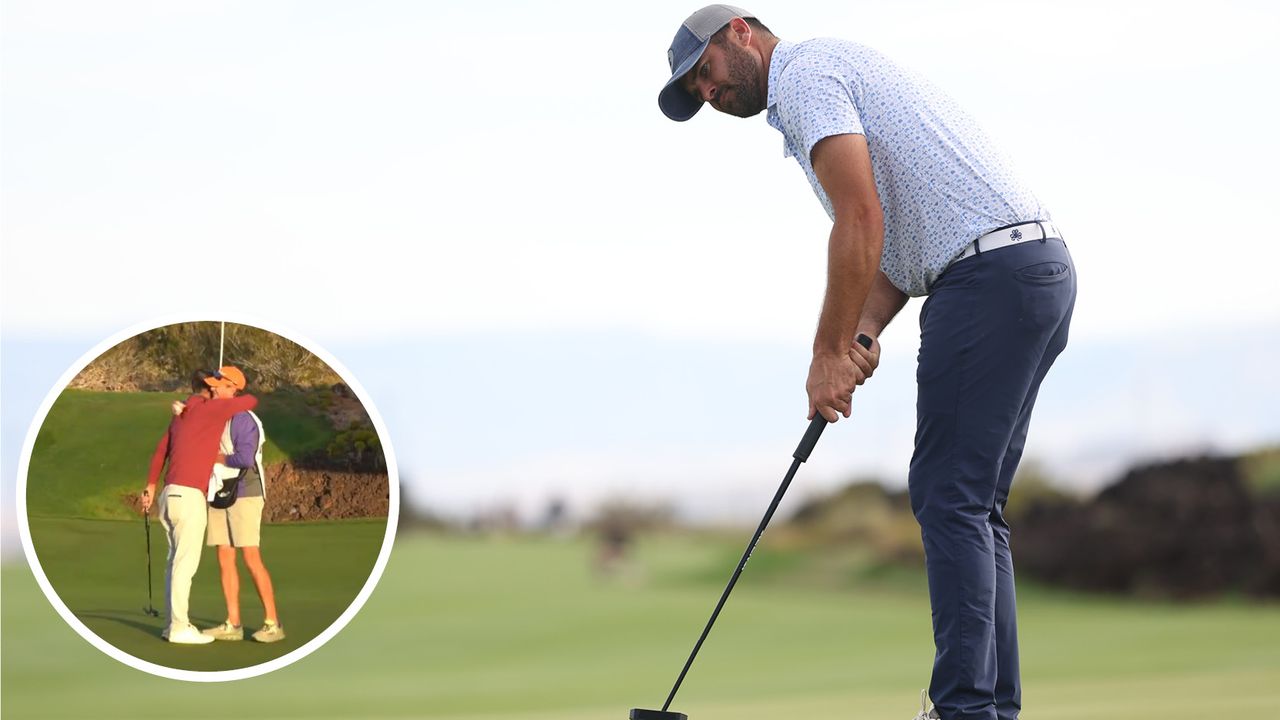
{"points": [[238, 526]]}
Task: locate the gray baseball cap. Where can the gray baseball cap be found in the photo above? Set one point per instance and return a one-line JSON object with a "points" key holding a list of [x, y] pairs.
{"points": [[690, 42]]}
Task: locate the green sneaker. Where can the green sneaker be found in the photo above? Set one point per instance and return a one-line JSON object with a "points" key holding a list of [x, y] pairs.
{"points": [[225, 631], [270, 632]]}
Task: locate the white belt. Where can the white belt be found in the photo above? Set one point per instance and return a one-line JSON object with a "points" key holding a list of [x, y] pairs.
{"points": [[1006, 236]]}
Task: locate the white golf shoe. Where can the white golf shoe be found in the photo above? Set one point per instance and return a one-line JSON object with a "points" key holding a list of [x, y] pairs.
{"points": [[188, 635], [926, 712]]}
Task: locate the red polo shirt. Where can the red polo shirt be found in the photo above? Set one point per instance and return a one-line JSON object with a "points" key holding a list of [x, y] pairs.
{"points": [[191, 442]]}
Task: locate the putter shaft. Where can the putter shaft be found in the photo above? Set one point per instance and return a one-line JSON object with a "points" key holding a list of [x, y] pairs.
{"points": [[146, 527], [807, 443], [801, 454]]}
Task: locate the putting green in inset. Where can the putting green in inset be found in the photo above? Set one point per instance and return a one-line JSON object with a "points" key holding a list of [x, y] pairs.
{"points": [[99, 570]]}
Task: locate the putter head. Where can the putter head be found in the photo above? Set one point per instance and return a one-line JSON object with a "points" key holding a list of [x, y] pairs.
{"points": [[642, 714]]}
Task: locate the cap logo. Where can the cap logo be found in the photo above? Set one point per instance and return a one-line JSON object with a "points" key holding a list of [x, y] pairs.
{"points": [[671, 58]]}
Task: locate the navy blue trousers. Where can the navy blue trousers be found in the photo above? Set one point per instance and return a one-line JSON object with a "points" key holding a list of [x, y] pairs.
{"points": [[990, 329]]}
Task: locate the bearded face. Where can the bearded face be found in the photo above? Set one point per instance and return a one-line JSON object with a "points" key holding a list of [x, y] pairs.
{"points": [[743, 94], [729, 77]]}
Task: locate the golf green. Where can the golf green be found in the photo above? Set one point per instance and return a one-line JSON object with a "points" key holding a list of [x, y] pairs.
{"points": [[99, 570], [90, 461], [521, 629]]}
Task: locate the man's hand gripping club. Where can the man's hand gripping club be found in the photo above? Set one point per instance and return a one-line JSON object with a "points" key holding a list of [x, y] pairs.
{"points": [[833, 378]]}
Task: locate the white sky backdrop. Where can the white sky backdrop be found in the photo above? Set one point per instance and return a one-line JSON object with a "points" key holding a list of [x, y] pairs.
{"points": [[479, 208]]}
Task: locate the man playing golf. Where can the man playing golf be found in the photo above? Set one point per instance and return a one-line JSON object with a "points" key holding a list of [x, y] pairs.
{"points": [[188, 449], [921, 205], [239, 526]]}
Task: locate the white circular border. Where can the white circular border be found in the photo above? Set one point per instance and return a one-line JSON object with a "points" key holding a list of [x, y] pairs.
{"points": [[393, 516]]}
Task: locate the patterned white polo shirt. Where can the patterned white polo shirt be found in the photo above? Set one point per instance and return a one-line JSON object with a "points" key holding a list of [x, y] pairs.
{"points": [[940, 180]]}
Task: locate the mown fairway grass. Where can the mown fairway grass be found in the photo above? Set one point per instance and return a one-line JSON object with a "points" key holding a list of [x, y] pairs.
{"points": [[519, 629]]}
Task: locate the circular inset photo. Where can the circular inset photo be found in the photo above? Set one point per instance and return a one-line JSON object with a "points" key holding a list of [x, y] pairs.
{"points": [[207, 500]]}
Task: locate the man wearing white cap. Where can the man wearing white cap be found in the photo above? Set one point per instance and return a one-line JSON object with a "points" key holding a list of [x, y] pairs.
{"points": [[921, 205]]}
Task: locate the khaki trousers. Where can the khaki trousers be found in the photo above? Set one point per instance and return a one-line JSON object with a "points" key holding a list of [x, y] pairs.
{"points": [[183, 514]]}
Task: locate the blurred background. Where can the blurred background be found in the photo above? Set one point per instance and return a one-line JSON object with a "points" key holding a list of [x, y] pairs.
{"points": [[587, 329]]}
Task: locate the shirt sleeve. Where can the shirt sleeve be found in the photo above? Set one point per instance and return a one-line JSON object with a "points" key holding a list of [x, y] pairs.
{"points": [[225, 408], [816, 101], [158, 457], [244, 438]]}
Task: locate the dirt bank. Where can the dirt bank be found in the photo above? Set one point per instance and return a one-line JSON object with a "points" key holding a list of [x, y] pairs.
{"points": [[297, 494]]}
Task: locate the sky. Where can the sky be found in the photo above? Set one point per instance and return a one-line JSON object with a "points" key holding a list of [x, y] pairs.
{"points": [[548, 288]]}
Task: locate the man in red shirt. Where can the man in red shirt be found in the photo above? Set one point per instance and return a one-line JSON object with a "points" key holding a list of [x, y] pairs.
{"points": [[189, 447]]}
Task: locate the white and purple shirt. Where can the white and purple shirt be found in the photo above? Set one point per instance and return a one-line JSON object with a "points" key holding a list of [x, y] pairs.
{"points": [[242, 445], [941, 182], [244, 438]]}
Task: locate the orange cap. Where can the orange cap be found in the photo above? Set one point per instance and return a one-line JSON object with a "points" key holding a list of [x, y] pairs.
{"points": [[227, 375]]}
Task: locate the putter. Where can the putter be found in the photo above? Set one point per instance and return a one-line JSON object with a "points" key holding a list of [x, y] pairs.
{"points": [[810, 439], [146, 526]]}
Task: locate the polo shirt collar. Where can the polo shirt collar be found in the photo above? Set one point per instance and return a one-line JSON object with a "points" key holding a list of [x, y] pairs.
{"points": [[782, 53]]}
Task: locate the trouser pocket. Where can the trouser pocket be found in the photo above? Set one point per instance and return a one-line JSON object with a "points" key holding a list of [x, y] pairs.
{"points": [[1045, 291]]}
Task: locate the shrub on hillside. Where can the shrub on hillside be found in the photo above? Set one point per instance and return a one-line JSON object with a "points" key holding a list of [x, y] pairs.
{"points": [[357, 448], [1188, 528]]}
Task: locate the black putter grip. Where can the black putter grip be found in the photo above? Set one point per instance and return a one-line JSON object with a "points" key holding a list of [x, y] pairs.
{"points": [[816, 426], [819, 423]]}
